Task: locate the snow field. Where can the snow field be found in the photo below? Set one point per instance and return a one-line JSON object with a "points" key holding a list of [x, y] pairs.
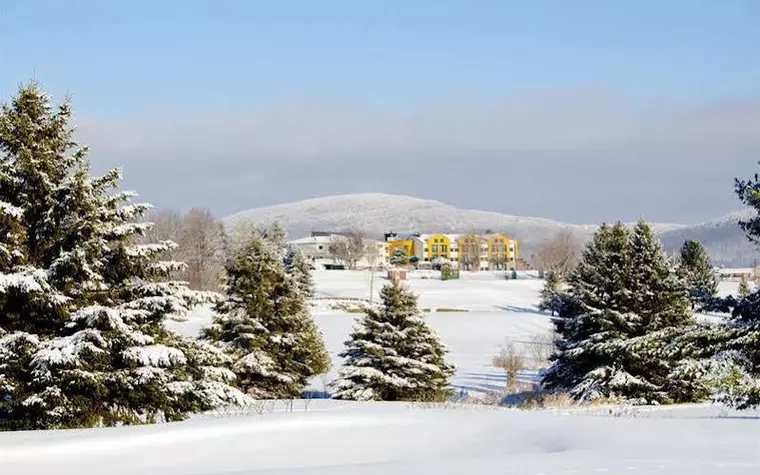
{"points": [[495, 310], [381, 438]]}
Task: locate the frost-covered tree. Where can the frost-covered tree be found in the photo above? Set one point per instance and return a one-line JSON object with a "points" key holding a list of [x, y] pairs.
{"points": [[298, 268], [200, 247], [698, 272], [82, 340], [550, 293], [400, 257], [623, 289], [265, 326], [393, 355]]}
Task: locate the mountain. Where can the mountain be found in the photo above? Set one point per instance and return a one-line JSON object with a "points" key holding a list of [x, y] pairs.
{"points": [[377, 213], [723, 238]]}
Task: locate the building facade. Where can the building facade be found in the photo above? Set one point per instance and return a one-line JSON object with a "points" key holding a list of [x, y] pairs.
{"points": [[467, 251]]}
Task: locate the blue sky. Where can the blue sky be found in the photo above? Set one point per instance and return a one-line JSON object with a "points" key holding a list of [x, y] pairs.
{"points": [[127, 57], [131, 62]]}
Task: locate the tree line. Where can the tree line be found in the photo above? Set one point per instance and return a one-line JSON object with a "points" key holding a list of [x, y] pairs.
{"points": [[88, 279], [624, 316]]}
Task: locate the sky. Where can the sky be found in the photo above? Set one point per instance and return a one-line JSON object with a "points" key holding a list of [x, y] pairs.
{"points": [[583, 111]]}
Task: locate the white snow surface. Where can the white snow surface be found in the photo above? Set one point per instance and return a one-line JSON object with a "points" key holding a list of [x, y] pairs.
{"points": [[337, 438], [347, 438]]}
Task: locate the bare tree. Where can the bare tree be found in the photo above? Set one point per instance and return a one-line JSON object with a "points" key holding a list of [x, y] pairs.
{"points": [[469, 252], [347, 248], [559, 254], [167, 226], [201, 248], [511, 359], [540, 346]]}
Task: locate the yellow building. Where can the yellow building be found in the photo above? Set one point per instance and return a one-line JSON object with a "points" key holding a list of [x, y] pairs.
{"points": [[501, 251], [438, 245]]}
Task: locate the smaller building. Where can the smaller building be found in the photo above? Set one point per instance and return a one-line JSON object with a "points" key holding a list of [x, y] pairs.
{"points": [[316, 249]]}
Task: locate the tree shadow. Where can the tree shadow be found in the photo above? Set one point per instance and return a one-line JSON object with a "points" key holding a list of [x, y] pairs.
{"points": [[514, 309]]}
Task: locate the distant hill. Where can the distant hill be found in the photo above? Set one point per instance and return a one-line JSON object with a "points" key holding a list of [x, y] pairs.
{"points": [[377, 213], [723, 238]]}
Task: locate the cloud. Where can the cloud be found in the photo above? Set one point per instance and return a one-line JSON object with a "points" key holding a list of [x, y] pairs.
{"points": [[581, 156]]}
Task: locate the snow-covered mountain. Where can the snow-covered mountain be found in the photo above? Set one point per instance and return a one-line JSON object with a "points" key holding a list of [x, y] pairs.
{"points": [[725, 241], [377, 213]]}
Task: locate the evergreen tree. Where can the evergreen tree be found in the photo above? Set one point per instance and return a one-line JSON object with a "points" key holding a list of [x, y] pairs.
{"points": [[298, 268], [275, 234], [400, 257], [265, 325], [82, 307], [660, 296], [392, 355], [623, 290], [550, 294], [744, 290], [698, 273]]}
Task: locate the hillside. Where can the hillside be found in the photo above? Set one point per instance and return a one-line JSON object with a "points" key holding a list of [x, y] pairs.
{"points": [[724, 240], [377, 213]]}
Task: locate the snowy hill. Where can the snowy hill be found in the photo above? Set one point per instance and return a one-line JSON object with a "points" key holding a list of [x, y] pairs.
{"points": [[724, 240], [377, 213]]}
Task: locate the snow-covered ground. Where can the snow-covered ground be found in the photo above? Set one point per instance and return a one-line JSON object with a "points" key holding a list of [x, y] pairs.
{"points": [[336, 437]]}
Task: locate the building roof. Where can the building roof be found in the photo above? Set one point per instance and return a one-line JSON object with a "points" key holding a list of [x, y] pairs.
{"points": [[311, 240]]}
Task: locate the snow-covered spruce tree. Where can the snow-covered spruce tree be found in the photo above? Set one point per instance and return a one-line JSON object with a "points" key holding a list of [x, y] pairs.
{"points": [[550, 294], [623, 289], [393, 355], [82, 340], [697, 271], [298, 268], [400, 257], [265, 326]]}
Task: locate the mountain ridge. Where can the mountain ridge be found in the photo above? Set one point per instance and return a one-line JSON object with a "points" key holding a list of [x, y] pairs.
{"points": [[377, 213]]}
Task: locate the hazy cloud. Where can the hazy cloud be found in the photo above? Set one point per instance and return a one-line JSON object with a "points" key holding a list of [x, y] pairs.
{"points": [[579, 156]]}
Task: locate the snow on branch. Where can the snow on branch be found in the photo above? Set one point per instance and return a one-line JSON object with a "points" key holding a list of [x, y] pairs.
{"points": [[116, 319], [66, 351], [31, 280], [150, 250], [11, 210], [155, 355]]}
